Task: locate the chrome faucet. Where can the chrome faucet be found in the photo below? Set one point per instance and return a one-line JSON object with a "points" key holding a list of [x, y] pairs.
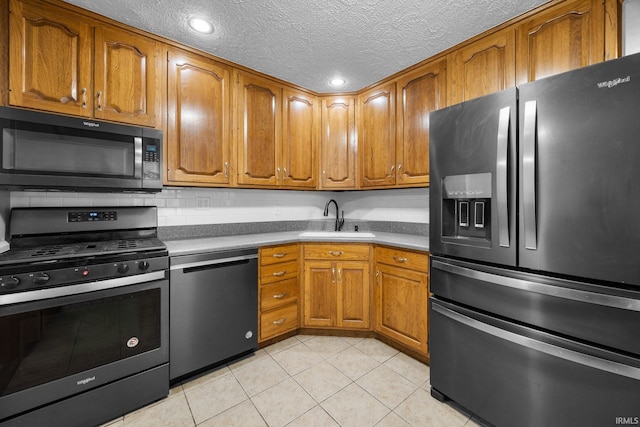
{"points": [[339, 222]]}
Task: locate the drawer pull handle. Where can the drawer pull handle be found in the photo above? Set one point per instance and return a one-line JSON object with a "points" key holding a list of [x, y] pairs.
{"points": [[280, 255], [336, 253], [280, 273], [280, 295], [399, 259], [279, 321]]}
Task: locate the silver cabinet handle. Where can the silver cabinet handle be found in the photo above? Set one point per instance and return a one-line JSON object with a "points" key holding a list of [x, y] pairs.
{"points": [[280, 295], [333, 275], [399, 259], [280, 273], [339, 275], [336, 253], [501, 176], [279, 321], [226, 169], [529, 175], [541, 346], [278, 174], [282, 255], [393, 168], [84, 97], [99, 101]]}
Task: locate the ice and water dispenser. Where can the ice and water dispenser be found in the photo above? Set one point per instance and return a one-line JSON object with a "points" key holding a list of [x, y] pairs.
{"points": [[466, 209]]}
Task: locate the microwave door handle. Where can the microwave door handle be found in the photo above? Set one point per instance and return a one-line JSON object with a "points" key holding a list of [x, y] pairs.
{"points": [[501, 176], [529, 175], [137, 166]]}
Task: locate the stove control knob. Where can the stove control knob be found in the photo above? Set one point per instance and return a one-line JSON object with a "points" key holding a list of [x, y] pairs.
{"points": [[10, 283], [123, 268], [143, 265], [41, 278]]}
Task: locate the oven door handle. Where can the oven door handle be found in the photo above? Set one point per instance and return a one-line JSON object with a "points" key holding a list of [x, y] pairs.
{"points": [[63, 291]]}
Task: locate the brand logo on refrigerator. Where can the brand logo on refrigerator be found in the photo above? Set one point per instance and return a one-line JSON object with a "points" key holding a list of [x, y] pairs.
{"points": [[614, 82], [91, 124], [86, 380]]}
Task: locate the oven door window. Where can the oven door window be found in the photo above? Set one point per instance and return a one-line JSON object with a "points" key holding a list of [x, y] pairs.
{"points": [[45, 345]]}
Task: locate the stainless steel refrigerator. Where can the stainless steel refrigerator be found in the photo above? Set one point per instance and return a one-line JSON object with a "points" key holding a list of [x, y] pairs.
{"points": [[535, 242]]}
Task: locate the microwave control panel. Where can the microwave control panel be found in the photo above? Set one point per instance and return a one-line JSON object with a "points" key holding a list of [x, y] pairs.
{"points": [[151, 161]]}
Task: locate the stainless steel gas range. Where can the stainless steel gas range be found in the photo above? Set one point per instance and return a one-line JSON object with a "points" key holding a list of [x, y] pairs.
{"points": [[84, 315]]}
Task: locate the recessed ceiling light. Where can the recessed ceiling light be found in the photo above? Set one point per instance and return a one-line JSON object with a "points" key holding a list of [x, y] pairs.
{"points": [[337, 82], [201, 25]]}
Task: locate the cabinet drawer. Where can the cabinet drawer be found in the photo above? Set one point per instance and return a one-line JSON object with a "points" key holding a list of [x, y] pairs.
{"points": [[404, 259], [277, 272], [278, 254], [278, 321], [278, 294], [337, 252]]}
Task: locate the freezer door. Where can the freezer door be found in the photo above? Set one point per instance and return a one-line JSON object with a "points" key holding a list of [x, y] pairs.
{"points": [[579, 140], [601, 315], [511, 375]]}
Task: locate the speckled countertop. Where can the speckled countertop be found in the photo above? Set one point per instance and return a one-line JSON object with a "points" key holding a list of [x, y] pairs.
{"points": [[190, 240]]}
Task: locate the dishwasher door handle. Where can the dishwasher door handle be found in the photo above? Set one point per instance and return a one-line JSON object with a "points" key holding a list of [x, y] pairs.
{"points": [[214, 262]]}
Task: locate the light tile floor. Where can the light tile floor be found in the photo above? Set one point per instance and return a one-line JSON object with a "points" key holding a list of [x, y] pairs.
{"points": [[306, 381]]}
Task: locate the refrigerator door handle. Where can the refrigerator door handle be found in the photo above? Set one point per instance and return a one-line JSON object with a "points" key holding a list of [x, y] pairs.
{"points": [[529, 175], [541, 346], [587, 297], [502, 176]]}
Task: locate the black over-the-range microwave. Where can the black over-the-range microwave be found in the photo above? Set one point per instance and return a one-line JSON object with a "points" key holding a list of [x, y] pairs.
{"points": [[53, 152]]}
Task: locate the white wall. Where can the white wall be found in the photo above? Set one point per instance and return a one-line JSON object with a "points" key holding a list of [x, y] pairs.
{"points": [[630, 26], [190, 206]]}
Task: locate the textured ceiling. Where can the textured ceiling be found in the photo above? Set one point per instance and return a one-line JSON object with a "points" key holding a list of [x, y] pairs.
{"points": [[309, 42]]}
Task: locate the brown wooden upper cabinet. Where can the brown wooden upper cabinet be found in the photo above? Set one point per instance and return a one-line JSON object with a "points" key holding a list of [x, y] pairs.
{"points": [[377, 136], [562, 38], [51, 53], [198, 120], [394, 127], [483, 67], [300, 126], [419, 92], [338, 145], [270, 152]]}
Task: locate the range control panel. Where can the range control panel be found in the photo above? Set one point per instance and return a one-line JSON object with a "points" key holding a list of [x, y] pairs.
{"points": [[86, 216]]}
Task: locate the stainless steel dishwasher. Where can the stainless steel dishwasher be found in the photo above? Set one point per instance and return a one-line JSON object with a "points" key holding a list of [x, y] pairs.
{"points": [[213, 308]]}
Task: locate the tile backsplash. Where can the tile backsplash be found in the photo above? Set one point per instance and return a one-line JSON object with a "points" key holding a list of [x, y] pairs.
{"points": [[191, 206]]}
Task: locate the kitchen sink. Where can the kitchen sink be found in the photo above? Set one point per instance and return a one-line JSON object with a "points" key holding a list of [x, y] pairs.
{"points": [[338, 234]]}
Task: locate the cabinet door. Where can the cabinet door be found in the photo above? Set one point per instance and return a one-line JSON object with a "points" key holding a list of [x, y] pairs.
{"points": [[563, 38], [401, 305], [259, 142], [353, 294], [419, 93], [377, 146], [485, 66], [49, 59], [125, 83], [319, 293], [338, 143], [299, 140], [199, 120]]}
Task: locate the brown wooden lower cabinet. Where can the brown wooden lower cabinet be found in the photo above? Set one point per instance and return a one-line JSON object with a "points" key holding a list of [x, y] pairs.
{"points": [[401, 288], [336, 286], [336, 289], [279, 290]]}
